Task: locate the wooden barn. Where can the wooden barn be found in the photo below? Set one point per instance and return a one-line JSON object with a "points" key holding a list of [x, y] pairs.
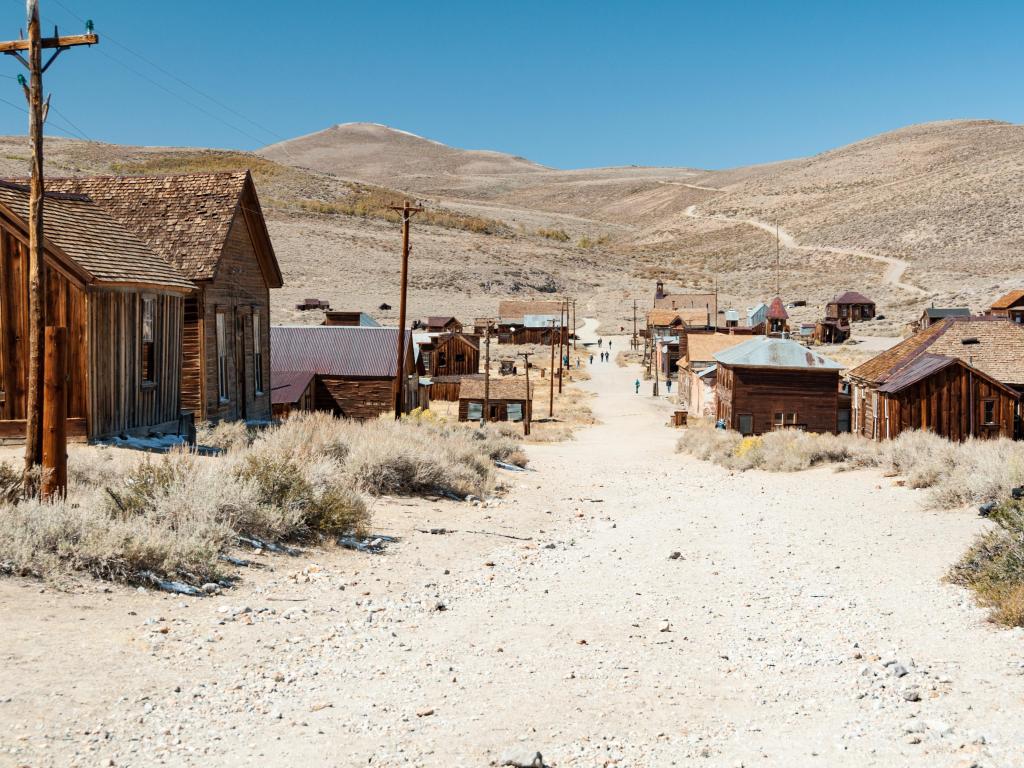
{"points": [[851, 307], [122, 305], [703, 306], [1010, 306], [353, 367], [768, 383], [449, 354], [211, 228], [509, 400], [439, 324], [961, 377]]}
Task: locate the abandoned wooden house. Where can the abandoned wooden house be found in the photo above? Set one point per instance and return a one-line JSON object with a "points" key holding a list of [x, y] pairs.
{"points": [[211, 228], [777, 318], [353, 367], [529, 322], [509, 400], [449, 354], [769, 383], [933, 314], [831, 331], [439, 324], [308, 304], [850, 306], [292, 391], [668, 354], [701, 348], [122, 305], [342, 317], [961, 377], [664, 322], [1010, 306], [705, 305]]}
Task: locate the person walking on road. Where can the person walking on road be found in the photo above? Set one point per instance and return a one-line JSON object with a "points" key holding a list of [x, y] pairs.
{"points": [[637, 385], [668, 385], [599, 342], [591, 359]]}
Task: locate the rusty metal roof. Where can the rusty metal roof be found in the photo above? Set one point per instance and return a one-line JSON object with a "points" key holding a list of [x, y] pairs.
{"points": [[1009, 300], [95, 241], [851, 297], [771, 352], [777, 310], [927, 365], [336, 350], [287, 386]]}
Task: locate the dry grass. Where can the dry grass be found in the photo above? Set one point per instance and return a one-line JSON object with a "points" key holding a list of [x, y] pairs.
{"points": [[205, 161], [176, 514], [993, 568]]}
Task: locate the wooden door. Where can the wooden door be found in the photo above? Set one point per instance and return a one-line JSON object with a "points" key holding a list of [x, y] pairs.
{"points": [[241, 369]]}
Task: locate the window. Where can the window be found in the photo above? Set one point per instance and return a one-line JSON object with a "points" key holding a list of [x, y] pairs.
{"points": [[988, 411], [442, 359], [148, 344], [460, 357], [257, 352], [746, 424], [779, 419], [515, 411], [222, 359], [474, 411]]}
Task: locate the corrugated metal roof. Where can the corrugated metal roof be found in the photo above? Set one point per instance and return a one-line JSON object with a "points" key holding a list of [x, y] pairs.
{"points": [[335, 350], [541, 321], [732, 314], [287, 386], [770, 352], [777, 310]]}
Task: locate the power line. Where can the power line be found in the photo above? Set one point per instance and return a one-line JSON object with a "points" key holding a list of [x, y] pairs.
{"points": [[73, 133]]}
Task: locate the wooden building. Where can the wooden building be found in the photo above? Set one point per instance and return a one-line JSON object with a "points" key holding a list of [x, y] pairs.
{"points": [[933, 314], [122, 305], [704, 306], [292, 391], [353, 367], [342, 317], [449, 354], [210, 227], [851, 307], [777, 318], [1010, 306], [831, 331], [528, 322], [916, 385], [439, 324], [701, 348], [509, 400], [769, 383]]}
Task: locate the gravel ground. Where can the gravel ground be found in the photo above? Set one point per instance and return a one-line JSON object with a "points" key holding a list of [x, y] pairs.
{"points": [[655, 611]]}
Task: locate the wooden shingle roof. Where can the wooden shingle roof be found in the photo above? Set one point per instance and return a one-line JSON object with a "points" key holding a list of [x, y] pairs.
{"points": [[993, 345], [185, 218], [514, 310], [1009, 300], [103, 251], [510, 388], [852, 297]]}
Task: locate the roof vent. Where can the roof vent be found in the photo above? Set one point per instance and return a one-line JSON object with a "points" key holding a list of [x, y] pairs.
{"points": [[970, 340]]}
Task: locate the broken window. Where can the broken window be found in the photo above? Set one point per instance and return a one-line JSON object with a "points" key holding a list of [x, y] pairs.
{"points": [[148, 343], [988, 410]]}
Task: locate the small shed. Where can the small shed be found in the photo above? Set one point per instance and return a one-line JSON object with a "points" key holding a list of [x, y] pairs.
{"points": [[291, 391], [1010, 306], [441, 324], [509, 400], [769, 383], [851, 306], [350, 318], [829, 331], [933, 314]]}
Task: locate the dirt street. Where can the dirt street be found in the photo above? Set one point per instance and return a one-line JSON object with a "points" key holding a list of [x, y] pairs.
{"points": [[803, 622]]}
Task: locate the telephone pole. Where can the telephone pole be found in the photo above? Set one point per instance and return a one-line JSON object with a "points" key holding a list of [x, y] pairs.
{"points": [[407, 212], [37, 112], [574, 325], [562, 340], [635, 344], [529, 399], [551, 383], [487, 371]]}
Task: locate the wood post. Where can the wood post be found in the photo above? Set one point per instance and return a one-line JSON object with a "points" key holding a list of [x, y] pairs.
{"points": [[55, 416], [529, 400], [407, 211], [487, 373]]}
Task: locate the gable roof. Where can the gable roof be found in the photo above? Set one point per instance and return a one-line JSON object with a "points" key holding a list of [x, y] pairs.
{"points": [[439, 321], [1009, 300], [777, 310], [772, 352], [702, 347], [852, 297], [927, 365], [513, 310], [663, 317], [336, 350], [937, 313], [999, 351], [102, 250], [185, 218], [287, 386], [508, 388]]}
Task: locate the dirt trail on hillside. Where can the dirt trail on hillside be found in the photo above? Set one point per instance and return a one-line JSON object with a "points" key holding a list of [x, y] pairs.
{"points": [[894, 269], [655, 610]]}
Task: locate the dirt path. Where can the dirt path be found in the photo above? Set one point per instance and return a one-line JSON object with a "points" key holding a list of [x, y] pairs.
{"points": [[762, 643], [894, 269]]}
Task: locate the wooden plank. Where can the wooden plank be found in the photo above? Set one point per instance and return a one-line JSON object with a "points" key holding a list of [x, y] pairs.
{"points": [[64, 41]]}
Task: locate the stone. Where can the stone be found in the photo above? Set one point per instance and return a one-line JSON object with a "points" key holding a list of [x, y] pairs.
{"points": [[898, 670], [210, 588], [913, 726], [522, 758], [666, 626], [940, 727], [675, 555], [911, 694]]}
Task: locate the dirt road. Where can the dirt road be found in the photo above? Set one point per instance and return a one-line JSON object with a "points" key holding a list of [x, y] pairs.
{"points": [[894, 268], [763, 642]]}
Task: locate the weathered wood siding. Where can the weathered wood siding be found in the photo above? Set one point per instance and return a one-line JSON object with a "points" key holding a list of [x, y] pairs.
{"points": [[950, 403], [364, 397], [499, 408], [238, 291], [445, 357], [120, 400], [763, 392], [192, 372]]}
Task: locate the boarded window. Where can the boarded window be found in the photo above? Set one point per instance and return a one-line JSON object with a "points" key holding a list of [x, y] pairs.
{"points": [[988, 410], [475, 411], [746, 424], [442, 359], [257, 352], [222, 359], [148, 342], [515, 411], [460, 357]]}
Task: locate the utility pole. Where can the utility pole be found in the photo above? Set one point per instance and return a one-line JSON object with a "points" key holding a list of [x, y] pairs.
{"points": [[487, 371], [563, 340], [635, 342], [656, 362], [407, 212], [37, 112], [778, 258], [529, 400], [574, 325], [551, 383]]}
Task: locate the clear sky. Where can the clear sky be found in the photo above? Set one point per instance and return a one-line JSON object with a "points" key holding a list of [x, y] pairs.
{"points": [[570, 84]]}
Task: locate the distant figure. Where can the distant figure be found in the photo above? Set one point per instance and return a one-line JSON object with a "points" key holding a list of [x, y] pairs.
{"points": [[609, 343], [591, 359], [637, 385], [668, 385], [599, 342]]}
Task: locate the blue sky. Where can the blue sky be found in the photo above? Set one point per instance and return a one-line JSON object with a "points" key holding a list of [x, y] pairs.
{"points": [[711, 84]]}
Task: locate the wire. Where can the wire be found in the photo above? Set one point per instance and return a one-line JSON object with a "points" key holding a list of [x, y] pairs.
{"points": [[65, 131]]}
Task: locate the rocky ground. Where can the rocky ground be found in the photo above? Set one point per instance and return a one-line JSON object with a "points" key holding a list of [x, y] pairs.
{"points": [[619, 605]]}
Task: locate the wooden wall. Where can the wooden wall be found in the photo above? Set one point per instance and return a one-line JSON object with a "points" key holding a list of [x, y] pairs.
{"points": [[192, 373], [949, 403], [500, 405], [450, 347], [238, 291], [120, 400], [364, 397], [762, 392]]}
